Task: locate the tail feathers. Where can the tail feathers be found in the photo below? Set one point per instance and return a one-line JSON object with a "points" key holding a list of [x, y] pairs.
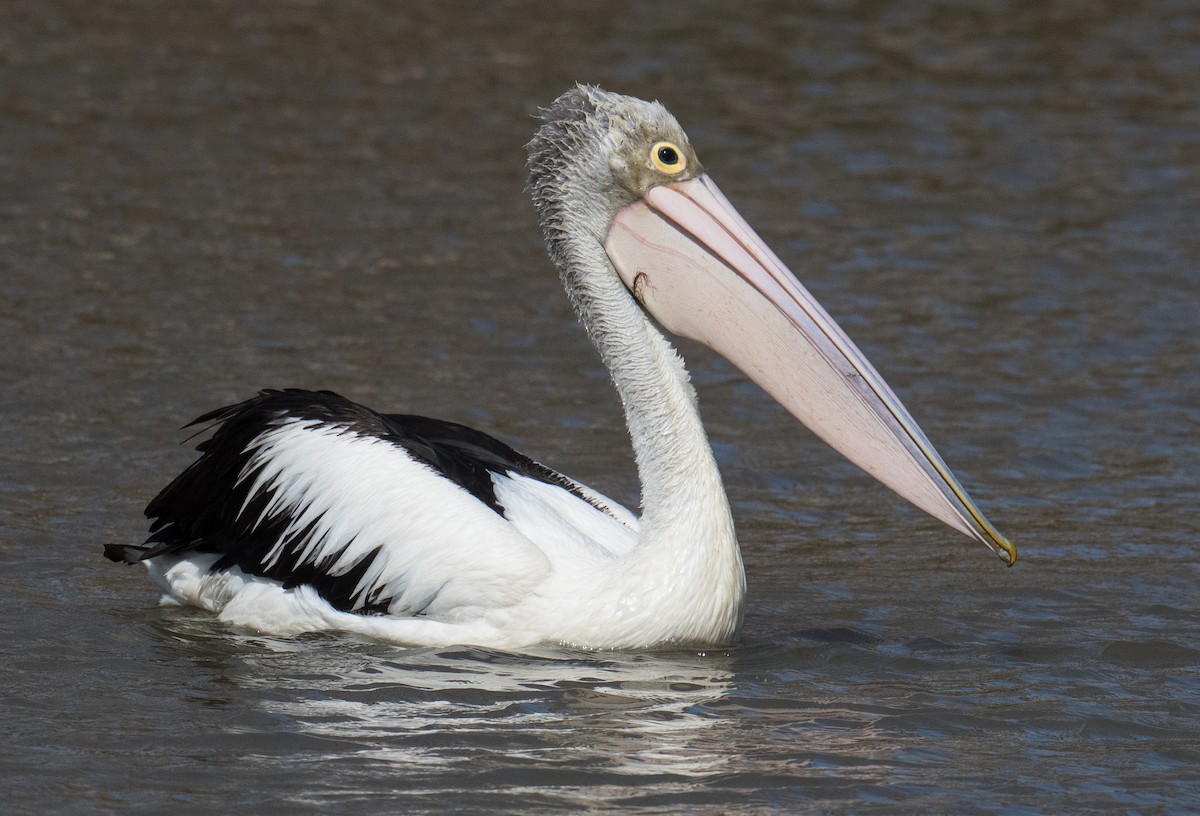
{"points": [[125, 553]]}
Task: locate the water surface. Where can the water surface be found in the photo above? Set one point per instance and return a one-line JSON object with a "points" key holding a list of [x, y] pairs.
{"points": [[999, 202]]}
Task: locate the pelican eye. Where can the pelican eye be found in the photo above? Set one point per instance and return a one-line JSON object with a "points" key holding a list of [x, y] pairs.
{"points": [[668, 158]]}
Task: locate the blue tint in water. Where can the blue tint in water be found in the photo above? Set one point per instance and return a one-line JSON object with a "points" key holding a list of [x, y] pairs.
{"points": [[996, 199]]}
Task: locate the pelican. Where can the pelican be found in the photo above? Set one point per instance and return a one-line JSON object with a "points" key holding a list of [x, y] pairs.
{"points": [[307, 512]]}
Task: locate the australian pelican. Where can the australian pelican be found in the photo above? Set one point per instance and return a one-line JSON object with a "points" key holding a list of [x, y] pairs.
{"points": [[306, 511]]}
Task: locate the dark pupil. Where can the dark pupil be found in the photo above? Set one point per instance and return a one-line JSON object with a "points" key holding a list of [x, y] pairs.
{"points": [[667, 155]]}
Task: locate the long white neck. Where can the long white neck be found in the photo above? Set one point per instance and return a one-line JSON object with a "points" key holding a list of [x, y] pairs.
{"points": [[687, 561]]}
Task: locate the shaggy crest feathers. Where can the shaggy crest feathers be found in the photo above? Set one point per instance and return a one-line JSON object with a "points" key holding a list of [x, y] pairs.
{"points": [[571, 183]]}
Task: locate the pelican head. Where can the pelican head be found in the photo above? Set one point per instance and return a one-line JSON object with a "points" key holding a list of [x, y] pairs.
{"points": [[616, 179]]}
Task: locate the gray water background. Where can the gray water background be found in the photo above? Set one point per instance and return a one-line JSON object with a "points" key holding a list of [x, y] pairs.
{"points": [[997, 199]]}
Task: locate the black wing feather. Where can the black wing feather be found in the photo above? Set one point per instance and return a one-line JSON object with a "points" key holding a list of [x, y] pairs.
{"points": [[202, 509]]}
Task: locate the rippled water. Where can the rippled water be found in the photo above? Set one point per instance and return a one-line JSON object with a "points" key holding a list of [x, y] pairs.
{"points": [[998, 200]]}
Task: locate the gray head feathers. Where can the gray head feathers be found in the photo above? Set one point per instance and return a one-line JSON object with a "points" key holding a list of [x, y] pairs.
{"points": [[591, 157]]}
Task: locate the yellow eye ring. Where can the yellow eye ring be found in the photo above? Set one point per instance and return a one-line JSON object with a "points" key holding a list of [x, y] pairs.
{"points": [[668, 158]]}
